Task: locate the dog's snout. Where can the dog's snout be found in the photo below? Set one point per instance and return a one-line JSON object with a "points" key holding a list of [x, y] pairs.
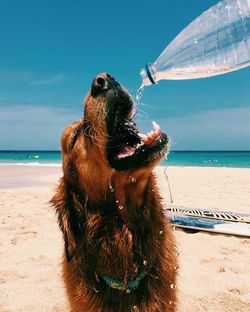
{"points": [[101, 83]]}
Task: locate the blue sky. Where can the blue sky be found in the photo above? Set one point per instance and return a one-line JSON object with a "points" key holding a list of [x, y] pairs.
{"points": [[51, 50]]}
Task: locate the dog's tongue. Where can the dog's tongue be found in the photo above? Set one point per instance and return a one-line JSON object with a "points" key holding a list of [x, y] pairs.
{"points": [[126, 151]]}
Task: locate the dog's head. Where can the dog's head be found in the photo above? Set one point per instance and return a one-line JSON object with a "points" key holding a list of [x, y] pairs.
{"points": [[109, 124]]}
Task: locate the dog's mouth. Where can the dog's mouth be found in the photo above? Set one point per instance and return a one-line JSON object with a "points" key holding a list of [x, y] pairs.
{"points": [[127, 148]]}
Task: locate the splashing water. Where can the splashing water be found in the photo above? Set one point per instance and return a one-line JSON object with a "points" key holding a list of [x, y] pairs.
{"points": [[139, 93], [138, 97]]}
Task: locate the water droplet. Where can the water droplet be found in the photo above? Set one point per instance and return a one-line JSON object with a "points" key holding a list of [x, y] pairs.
{"points": [[111, 188], [176, 267], [145, 262], [161, 232], [117, 201], [135, 307], [139, 94], [97, 277], [173, 286], [128, 291], [120, 207], [153, 190], [170, 302], [132, 179], [95, 290]]}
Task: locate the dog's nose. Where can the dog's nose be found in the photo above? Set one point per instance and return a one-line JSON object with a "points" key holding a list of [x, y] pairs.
{"points": [[101, 83]]}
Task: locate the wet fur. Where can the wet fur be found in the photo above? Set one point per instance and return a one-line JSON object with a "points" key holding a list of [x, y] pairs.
{"points": [[101, 238]]}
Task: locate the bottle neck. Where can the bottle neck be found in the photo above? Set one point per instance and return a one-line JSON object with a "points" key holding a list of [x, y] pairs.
{"points": [[147, 74]]}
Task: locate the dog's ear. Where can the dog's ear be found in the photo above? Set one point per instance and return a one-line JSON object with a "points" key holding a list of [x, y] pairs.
{"points": [[63, 205], [69, 240]]}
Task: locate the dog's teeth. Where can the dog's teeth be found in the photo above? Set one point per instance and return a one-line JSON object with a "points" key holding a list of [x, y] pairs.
{"points": [[152, 133], [155, 125]]}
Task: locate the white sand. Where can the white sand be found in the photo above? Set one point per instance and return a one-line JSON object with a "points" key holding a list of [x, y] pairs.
{"points": [[214, 272]]}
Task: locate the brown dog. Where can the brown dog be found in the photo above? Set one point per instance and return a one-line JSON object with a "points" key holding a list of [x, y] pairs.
{"points": [[119, 249]]}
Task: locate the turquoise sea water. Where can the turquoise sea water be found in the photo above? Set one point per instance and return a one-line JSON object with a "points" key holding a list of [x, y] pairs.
{"points": [[237, 159], [35, 158]]}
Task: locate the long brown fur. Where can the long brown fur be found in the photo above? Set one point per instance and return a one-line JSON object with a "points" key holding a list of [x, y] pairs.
{"points": [[112, 223]]}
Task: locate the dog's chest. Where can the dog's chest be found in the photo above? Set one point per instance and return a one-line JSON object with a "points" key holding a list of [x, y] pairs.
{"points": [[118, 248]]}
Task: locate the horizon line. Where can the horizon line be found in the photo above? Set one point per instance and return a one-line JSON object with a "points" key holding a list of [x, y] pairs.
{"points": [[44, 150]]}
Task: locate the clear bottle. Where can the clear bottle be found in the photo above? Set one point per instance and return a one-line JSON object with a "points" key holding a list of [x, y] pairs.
{"points": [[216, 42]]}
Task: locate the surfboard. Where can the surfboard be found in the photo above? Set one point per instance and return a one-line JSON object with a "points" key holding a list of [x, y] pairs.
{"points": [[210, 214], [209, 225]]}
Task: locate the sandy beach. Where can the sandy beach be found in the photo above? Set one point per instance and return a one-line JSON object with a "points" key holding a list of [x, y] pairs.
{"points": [[214, 271]]}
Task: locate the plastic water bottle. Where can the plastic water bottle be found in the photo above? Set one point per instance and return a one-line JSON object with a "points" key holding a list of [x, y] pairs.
{"points": [[216, 42]]}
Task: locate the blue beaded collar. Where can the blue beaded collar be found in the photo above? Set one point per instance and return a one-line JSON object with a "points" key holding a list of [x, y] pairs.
{"points": [[120, 285]]}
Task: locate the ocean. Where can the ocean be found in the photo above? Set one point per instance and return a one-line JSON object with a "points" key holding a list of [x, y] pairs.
{"points": [[235, 159]]}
